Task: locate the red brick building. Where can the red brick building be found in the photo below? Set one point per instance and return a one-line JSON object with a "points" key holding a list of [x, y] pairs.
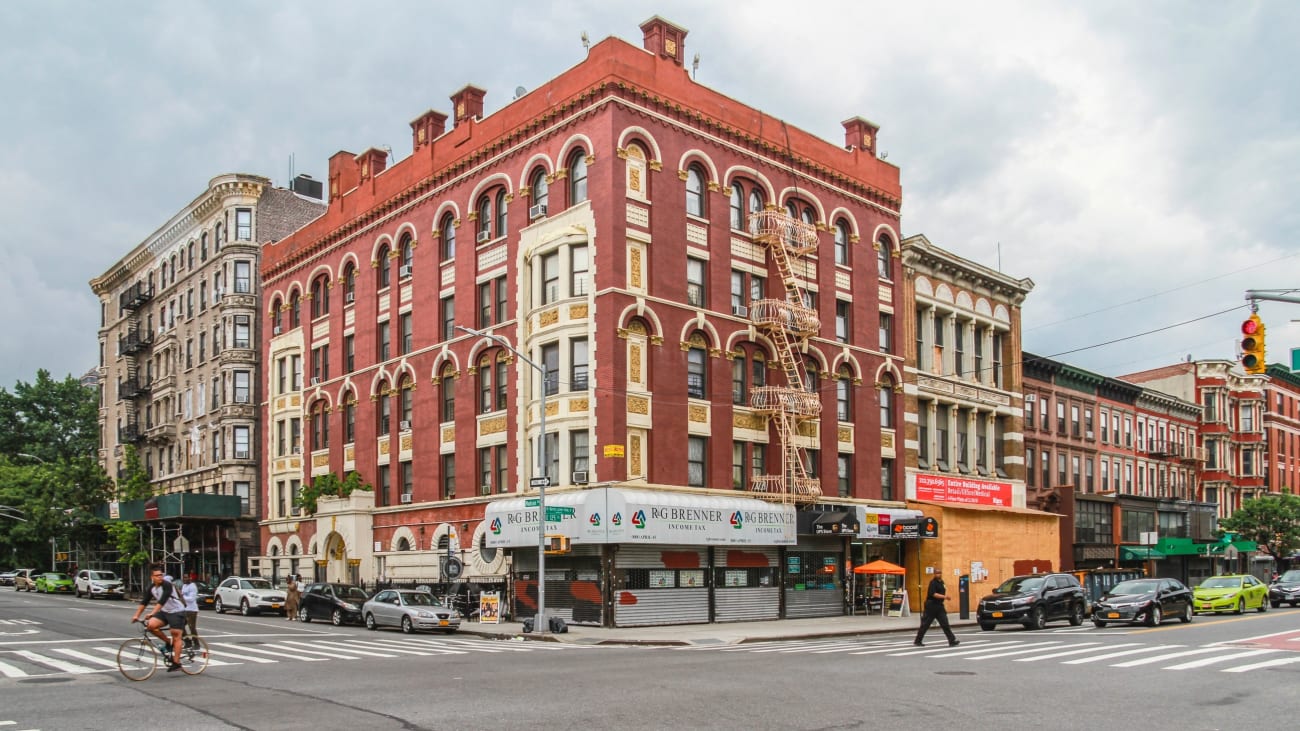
{"points": [[1282, 430], [692, 296]]}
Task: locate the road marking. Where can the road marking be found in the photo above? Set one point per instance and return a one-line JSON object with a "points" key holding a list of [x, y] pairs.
{"points": [[1121, 653], [9, 671], [57, 664], [324, 648], [1166, 656], [1265, 664], [1071, 652], [390, 647], [1221, 658], [343, 647], [1036, 648], [213, 650], [281, 654], [85, 657], [433, 648], [18, 621]]}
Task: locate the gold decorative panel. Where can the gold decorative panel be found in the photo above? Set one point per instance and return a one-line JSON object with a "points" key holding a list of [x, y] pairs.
{"points": [[753, 422], [638, 405], [407, 442], [844, 434], [634, 362], [634, 456], [384, 446], [495, 425], [349, 454], [807, 429], [448, 434], [577, 312], [697, 413], [578, 405], [553, 409], [635, 263], [886, 440], [295, 401], [634, 178], [320, 460], [550, 317]]}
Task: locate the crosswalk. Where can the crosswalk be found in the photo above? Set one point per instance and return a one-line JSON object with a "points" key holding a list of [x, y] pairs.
{"points": [[1221, 657], [83, 658]]}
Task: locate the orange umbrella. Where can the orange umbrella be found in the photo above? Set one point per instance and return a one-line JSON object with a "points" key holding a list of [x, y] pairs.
{"points": [[879, 567]]}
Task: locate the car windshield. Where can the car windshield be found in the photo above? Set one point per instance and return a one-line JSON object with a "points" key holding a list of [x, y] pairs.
{"points": [[1221, 582], [1139, 586], [254, 584], [351, 593], [419, 599], [103, 575], [1020, 583], [1289, 576], [55, 577]]}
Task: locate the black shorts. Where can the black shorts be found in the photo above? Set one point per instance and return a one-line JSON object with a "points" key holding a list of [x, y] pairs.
{"points": [[174, 620]]}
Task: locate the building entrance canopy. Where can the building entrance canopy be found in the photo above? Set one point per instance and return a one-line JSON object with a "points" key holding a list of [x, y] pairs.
{"points": [[618, 515]]}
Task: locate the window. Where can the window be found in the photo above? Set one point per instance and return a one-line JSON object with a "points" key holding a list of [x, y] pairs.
{"points": [[349, 283], [485, 471], [755, 206], [320, 426], [737, 207], [748, 370], [295, 310], [997, 359], [407, 343], [842, 321], [485, 219], [503, 468], [407, 256], [578, 364], [694, 282], [190, 249], [695, 191], [1031, 474], [383, 411], [886, 332], [886, 403], [243, 331], [551, 369], [243, 277], [242, 491], [942, 449], [739, 465], [540, 189], [550, 277], [959, 347], [408, 479], [501, 381], [243, 224], [696, 383], [446, 388], [578, 273], [448, 477], [349, 419], [276, 316], [320, 302], [696, 449], [408, 401], [923, 441], [886, 479], [484, 305], [579, 450], [843, 400], [502, 228], [383, 272], [883, 266], [385, 485], [844, 473], [486, 403], [295, 371], [385, 341], [217, 234], [841, 243], [577, 177], [1060, 416], [243, 387], [447, 236], [448, 318], [349, 353], [243, 440], [1074, 421]]}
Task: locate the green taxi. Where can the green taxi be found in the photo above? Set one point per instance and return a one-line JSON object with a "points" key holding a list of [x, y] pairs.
{"points": [[54, 583], [1232, 593]]}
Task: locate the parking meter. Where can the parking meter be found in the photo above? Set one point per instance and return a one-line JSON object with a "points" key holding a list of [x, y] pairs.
{"points": [[963, 596]]}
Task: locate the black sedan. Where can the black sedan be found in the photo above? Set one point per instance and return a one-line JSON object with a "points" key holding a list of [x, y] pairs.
{"points": [[1285, 589], [1144, 600], [339, 603], [207, 595]]}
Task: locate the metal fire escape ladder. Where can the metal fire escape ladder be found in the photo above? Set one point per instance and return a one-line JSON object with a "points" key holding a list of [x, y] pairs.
{"points": [[138, 340], [789, 322]]}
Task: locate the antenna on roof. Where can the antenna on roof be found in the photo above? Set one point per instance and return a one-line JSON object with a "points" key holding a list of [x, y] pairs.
{"points": [[586, 42], [695, 66], [520, 91]]}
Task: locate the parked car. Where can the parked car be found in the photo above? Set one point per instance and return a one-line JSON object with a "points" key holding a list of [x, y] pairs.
{"points": [[7, 577], [339, 603], [1034, 600], [94, 584], [1285, 589], [1231, 593], [1144, 600], [53, 583], [249, 595], [25, 580], [207, 597], [409, 609]]}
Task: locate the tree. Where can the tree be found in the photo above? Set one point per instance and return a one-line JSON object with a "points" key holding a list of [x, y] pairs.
{"points": [[1273, 521], [54, 420], [328, 485], [133, 484], [125, 537]]}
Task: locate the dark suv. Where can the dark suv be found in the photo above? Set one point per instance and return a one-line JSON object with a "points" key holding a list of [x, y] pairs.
{"points": [[1033, 601]]}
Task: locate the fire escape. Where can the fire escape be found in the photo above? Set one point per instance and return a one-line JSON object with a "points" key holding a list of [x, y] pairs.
{"points": [[789, 322], [134, 346]]}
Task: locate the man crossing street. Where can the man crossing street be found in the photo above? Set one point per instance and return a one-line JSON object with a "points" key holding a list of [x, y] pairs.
{"points": [[935, 595]]}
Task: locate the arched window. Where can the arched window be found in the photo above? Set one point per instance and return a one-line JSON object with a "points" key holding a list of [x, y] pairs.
{"points": [[320, 426], [841, 242], [697, 384], [320, 297], [883, 257], [163, 283], [349, 417], [540, 191], [408, 255], [174, 269], [447, 234], [349, 283], [695, 191], [384, 410], [203, 246], [843, 393], [577, 177], [484, 210], [501, 227], [447, 386], [408, 400], [806, 216], [295, 310], [382, 271], [276, 319], [748, 371], [216, 238], [190, 264], [403, 544], [811, 376], [737, 207], [755, 205], [486, 402], [886, 398]]}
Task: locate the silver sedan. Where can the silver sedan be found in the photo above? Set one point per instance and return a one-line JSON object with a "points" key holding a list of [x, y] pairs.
{"points": [[409, 609]]}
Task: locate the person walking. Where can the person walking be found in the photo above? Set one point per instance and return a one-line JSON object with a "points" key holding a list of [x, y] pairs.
{"points": [[935, 595], [291, 595], [190, 595]]}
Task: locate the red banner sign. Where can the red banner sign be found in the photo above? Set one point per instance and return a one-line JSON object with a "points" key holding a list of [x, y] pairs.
{"points": [[945, 489]]}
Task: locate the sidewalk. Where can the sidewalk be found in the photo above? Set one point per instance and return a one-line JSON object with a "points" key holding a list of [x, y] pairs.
{"points": [[729, 633]]}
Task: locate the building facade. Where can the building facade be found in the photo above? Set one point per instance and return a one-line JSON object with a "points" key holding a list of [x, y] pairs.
{"points": [[179, 369], [1282, 430], [681, 310]]}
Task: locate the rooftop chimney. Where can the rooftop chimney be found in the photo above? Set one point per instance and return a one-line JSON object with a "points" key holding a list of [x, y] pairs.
{"points": [[343, 174], [468, 104], [860, 134], [664, 39], [426, 128], [372, 162]]}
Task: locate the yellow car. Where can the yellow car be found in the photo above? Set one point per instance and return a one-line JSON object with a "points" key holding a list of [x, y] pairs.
{"points": [[1234, 593]]}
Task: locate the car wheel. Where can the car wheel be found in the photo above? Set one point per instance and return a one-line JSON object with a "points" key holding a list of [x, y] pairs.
{"points": [[1037, 618], [370, 623], [303, 616], [336, 618], [1098, 623], [987, 627], [1277, 604], [218, 607], [407, 627], [1187, 614], [1241, 605], [244, 609], [76, 593], [1154, 616], [1076, 615], [1263, 606]]}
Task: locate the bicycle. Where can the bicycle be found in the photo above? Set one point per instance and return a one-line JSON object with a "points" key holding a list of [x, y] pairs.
{"points": [[138, 658]]}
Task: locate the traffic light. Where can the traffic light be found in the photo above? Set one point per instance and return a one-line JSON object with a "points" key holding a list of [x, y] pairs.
{"points": [[1252, 345]]}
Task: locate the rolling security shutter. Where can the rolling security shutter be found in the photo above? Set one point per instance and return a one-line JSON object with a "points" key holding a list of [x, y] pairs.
{"points": [[573, 585], [810, 591], [746, 585], [660, 585]]}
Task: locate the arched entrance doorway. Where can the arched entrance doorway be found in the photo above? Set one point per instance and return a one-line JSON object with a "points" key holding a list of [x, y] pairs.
{"points": [[336, 557]]}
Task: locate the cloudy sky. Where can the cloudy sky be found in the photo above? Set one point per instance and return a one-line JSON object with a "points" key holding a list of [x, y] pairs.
{"points": [[1139, 161]]}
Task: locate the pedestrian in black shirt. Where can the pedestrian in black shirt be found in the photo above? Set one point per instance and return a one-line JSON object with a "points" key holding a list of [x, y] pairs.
{"points": [[934, 609]]}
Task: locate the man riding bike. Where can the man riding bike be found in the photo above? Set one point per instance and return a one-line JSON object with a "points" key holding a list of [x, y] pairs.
{"points": [[170, 612]]}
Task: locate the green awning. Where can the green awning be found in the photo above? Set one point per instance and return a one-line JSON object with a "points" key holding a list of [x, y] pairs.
{"points": [[1139, 553]]}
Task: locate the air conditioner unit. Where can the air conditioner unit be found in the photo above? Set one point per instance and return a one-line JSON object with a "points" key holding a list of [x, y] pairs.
{"points": [[350, 297], [404, 425], [740, 310], [297, 449], [405, 498], [537, 211], [1090, 435], [1030, 398], [484, 236], [315, 381], [579, 477], [241, 454], [277, 330], [404, 271]]}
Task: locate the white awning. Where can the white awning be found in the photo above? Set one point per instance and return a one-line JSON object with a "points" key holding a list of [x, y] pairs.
{"points": [[877, 522], [512, 523]]}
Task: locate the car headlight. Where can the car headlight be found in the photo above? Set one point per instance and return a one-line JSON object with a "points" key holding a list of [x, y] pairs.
{"points": [[1022, 600], [93, 585], [426, 615], [254, 596], [350, 607], [1230, 596]]}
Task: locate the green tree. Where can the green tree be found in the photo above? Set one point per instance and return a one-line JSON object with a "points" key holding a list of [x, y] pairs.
{"points": [[133, 484], [328, 485], [1273, 521], [125, 537], [54, 420]]}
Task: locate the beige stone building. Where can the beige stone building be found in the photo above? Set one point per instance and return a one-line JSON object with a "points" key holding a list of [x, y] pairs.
{"points": [[179, 368]]}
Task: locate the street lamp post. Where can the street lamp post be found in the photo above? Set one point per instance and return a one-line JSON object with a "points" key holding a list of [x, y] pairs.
{"points": [[539, 622]]}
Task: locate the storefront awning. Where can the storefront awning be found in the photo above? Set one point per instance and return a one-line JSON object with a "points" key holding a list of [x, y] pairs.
{"points": [[1139, 553], [874, 522], [829, 523]]}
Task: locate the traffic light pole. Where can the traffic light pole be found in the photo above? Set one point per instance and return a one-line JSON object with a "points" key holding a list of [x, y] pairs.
{"points": [[1273, 295]]}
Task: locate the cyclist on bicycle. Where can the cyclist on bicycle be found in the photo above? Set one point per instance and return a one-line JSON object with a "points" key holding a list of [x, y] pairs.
{"points": [[170, 612]]}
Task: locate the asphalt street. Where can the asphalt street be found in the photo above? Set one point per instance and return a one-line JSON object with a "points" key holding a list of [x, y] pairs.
{"points": [[57, 671]]}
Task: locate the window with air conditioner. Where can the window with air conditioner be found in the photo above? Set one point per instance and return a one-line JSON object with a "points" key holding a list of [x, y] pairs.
{"points": [[537, 211], [484, 236], [405, 271], [315, 381], [406, 498], [350, 297], [276, 330], [404, 425], [580, 477], [740, 310]]}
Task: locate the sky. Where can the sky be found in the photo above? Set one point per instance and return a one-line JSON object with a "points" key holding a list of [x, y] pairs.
{"points": [[1138, 161]]}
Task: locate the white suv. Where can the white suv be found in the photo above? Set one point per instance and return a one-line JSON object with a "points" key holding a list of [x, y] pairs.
{"points": [[98, 584], [249, 595]]}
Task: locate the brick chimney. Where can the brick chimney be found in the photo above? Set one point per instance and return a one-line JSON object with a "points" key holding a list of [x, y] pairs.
{"points": [[664, 39], [344, 174], [468, 104], [372, 162], [860, 134], [426, 128]]}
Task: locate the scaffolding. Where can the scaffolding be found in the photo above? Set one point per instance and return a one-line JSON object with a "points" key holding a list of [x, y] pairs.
{"points": [[788, 322]]}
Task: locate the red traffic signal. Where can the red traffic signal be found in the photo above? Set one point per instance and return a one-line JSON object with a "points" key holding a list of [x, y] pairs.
{"points": [[1252, 346]]}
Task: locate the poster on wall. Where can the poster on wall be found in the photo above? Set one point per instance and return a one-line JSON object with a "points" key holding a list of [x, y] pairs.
{"points": [[489, 607], [946, 489]]}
